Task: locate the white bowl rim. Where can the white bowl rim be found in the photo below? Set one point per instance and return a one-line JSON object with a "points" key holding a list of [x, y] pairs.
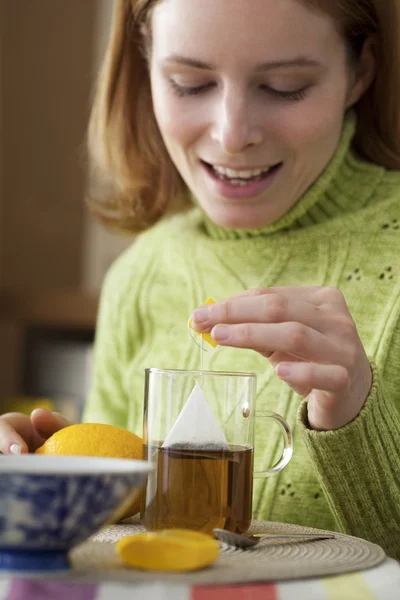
{"points": [[33, 464]]}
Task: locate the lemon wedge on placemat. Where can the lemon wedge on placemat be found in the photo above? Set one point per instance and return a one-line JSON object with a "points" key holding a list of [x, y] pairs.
{"points": [[168, 550]]}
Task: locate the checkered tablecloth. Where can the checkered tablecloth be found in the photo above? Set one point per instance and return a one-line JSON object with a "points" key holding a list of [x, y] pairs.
{"points": [[379, 583]]}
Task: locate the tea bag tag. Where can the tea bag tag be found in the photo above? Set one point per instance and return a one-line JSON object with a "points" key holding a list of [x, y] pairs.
{"points": [[196, 425]]}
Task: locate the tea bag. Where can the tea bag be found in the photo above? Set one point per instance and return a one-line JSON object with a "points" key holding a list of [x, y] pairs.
{"points": [[196, 425]]}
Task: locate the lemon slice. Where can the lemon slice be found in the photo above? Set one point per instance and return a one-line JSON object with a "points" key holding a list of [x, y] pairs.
{"points": [[206, 336], [168, 550]]}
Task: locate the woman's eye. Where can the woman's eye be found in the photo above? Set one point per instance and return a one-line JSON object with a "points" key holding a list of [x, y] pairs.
{"points": [[294, 95], [187, 90]]}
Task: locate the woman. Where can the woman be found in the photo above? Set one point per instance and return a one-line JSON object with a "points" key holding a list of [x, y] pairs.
{"points": [[280, 122]]}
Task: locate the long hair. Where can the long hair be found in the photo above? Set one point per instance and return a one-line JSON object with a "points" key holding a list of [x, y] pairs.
{"points": [[132, 180], [377, 137]]}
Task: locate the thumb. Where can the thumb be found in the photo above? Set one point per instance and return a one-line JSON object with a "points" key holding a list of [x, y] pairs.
{"points": [[46, 422]]}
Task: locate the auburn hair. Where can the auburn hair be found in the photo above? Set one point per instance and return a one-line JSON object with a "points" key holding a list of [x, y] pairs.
{"points": [[132, 180]]}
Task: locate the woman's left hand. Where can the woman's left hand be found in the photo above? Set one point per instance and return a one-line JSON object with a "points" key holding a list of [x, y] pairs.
{"points": [[309, 337]]}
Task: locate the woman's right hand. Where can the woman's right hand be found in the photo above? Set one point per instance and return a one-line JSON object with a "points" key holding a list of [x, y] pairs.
{"points": [[20, 434]]}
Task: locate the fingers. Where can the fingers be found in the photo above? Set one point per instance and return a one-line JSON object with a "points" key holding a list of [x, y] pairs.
{"points": [[20, 433], [46, 423], [317, 295], [303, 292], [15, 434], [308, 335], [265, 308], [304, 377], [291, 338], [10, 441]]}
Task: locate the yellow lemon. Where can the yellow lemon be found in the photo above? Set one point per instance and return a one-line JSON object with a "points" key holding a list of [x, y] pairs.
{"points": [[96, 439], [168, 550], [93, 439]]}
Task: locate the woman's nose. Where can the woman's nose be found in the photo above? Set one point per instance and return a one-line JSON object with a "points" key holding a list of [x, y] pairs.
{"points": [[235, 127]]}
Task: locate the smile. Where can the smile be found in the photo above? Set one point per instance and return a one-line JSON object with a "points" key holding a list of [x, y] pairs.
{"points": [[240, 177], [241, 183]]}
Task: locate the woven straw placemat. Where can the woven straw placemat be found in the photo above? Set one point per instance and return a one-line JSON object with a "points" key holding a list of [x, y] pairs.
{"points": [[270, 560]]}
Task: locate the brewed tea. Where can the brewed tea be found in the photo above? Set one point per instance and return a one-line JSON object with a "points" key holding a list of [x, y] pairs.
{"points": [[199, 489]]}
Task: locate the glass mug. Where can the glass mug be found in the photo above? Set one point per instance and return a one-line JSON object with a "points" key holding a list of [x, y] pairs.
{"points": [[203, 461]]}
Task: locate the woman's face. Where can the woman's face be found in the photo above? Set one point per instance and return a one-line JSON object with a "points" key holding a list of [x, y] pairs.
{"points": [[249, 96]]}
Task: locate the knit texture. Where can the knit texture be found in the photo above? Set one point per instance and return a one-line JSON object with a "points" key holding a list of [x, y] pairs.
{"points": [[344, 232]]}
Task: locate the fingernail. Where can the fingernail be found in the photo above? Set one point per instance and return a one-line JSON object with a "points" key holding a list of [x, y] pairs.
{"points": [[15, 449], [283, 370], [201, 314], [220, 333]]}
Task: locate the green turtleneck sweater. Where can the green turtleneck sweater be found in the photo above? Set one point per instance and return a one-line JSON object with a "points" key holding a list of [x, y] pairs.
{"points": [[344, 232]]}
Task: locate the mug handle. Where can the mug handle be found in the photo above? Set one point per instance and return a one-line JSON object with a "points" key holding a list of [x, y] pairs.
{"points": [[288, 441]]}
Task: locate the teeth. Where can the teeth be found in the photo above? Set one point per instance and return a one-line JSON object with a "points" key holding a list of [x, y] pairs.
{"points": [[239, 182], [232, 174]]}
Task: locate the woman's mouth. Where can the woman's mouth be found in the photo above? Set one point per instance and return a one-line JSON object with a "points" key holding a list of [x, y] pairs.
{"points": [[240, 183]]}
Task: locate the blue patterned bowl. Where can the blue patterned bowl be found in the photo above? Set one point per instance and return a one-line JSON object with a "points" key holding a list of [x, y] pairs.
{"points": [[48, 504]]}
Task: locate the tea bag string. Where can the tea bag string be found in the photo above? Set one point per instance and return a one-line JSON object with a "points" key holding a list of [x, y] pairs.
{"points": [[201, 361], [200, 344], [201, 349]]}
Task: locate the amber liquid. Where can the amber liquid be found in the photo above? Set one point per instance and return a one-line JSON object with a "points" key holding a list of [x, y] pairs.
{"points": [[199, 489]]}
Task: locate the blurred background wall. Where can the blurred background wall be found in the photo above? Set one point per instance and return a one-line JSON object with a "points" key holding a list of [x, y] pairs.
{"points": [[53, 255]]}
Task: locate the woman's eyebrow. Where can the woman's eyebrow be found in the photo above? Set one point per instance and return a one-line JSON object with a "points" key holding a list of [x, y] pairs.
{"points": [[300, 61], [187, 61]]}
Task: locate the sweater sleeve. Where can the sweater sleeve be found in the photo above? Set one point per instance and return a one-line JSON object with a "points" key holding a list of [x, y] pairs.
{"points": [[359, 468], [108, 397]]}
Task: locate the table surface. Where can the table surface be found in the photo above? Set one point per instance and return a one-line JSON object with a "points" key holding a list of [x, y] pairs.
{"points": [[379, 583]]}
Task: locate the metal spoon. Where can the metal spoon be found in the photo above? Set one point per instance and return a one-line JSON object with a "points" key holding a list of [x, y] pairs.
{"points": [[241, 541]]}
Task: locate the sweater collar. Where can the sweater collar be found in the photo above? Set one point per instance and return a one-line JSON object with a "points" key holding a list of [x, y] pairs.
{"points": [[345, 185]]}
